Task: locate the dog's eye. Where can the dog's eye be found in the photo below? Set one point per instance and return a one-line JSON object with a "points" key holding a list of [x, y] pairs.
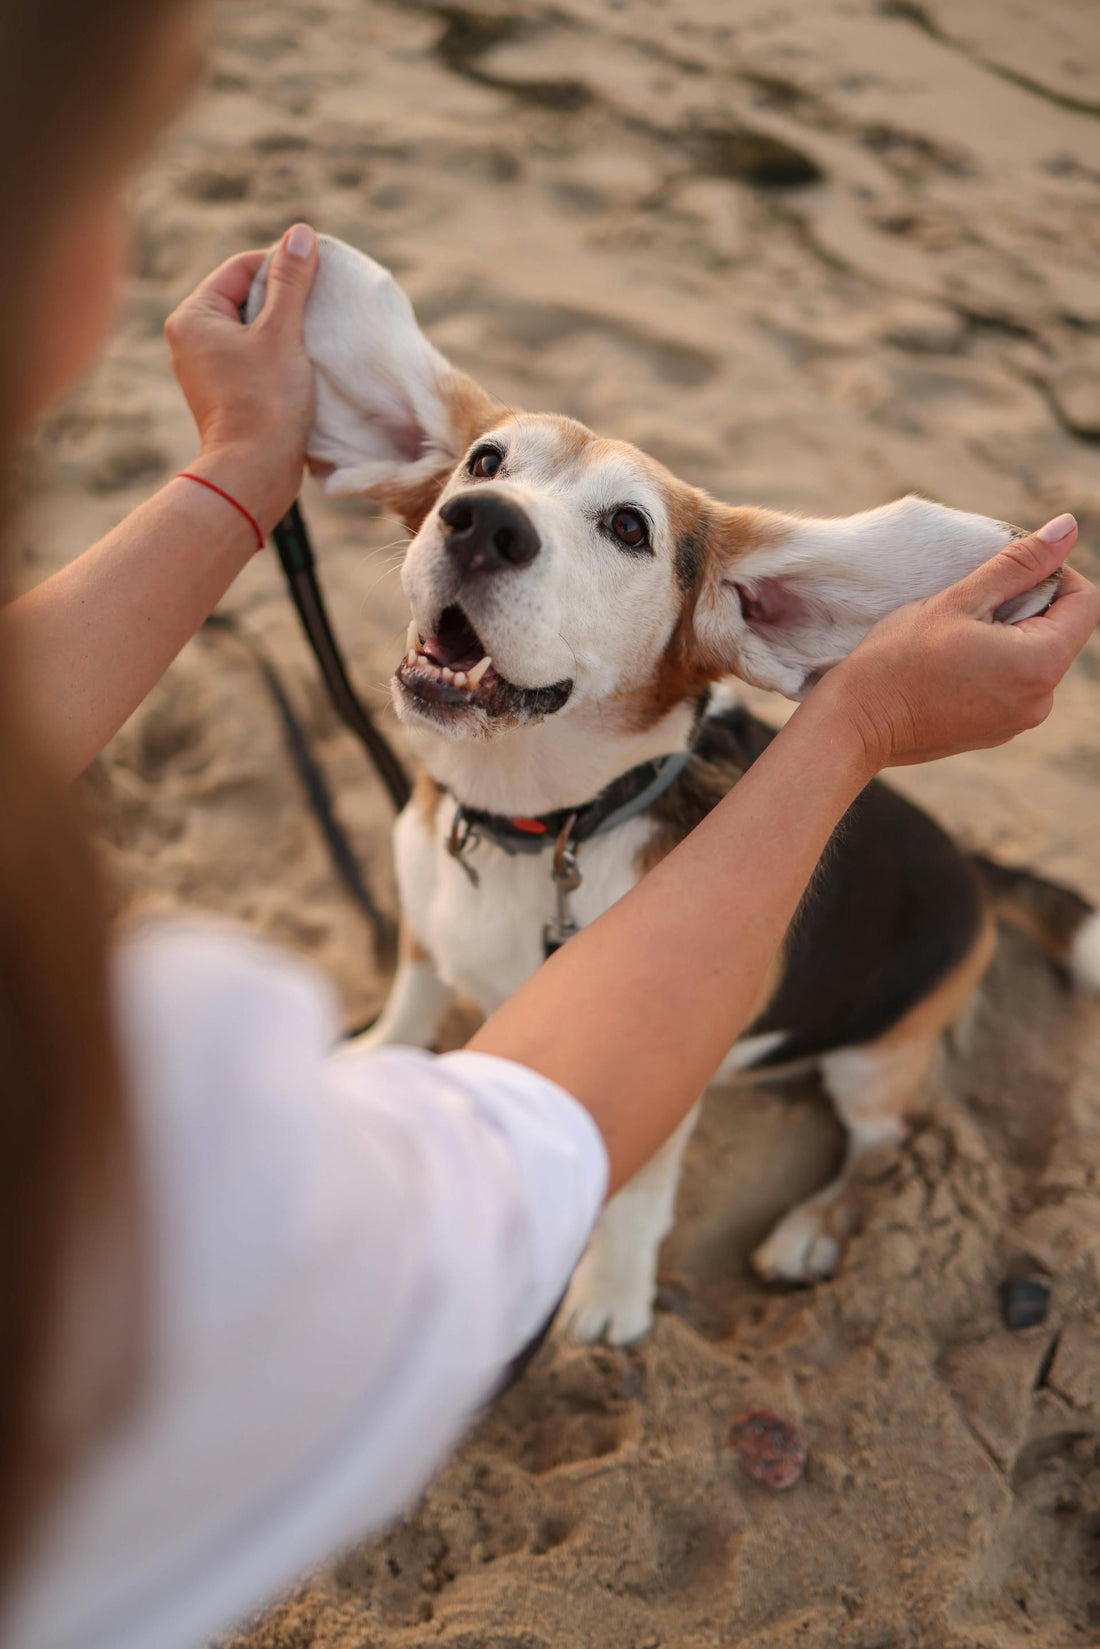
{"points": [[486, 463], [629, 528]]}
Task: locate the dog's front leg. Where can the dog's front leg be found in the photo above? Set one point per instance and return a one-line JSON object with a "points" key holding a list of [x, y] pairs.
{"points": [[416, 1004], [613, 1287]]}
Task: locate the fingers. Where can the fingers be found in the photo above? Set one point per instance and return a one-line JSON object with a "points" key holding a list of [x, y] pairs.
{"points": [[221, 294], [228, 287], [1017, 568], [290, 278], [1061, 632]]}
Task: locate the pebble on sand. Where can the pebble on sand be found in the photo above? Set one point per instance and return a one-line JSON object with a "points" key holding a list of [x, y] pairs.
{"points": [[772, 1450]]}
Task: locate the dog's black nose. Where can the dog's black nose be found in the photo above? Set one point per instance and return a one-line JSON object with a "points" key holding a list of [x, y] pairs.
{"points": [[486, 531]]}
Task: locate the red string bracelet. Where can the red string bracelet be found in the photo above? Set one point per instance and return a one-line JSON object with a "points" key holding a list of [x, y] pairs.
{"points": [[185, 475]]}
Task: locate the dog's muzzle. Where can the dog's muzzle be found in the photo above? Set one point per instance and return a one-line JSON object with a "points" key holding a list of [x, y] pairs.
{"points": [[485, 533]]}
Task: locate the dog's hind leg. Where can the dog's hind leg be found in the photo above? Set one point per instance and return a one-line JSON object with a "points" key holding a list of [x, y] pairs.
{"points": [[612, 1290], [417, 1002], [876, 1091]]}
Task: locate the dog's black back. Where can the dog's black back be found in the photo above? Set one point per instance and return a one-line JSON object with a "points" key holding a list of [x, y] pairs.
{"points": [[893, 907]]}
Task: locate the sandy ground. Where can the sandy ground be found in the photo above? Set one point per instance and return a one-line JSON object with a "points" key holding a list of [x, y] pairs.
{"points": [[813, 255]]}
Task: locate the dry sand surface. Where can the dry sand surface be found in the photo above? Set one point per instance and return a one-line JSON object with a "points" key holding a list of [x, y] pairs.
{"points": [[813, 255]]}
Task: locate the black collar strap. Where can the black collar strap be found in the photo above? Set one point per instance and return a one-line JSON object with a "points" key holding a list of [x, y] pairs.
{"points": [[624, 798], [631, 793]]}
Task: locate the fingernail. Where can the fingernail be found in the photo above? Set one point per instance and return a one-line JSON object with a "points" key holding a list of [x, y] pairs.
{"points": [[300, 241], [1056, 530]]}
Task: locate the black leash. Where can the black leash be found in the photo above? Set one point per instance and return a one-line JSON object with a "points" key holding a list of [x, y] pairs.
{"points": [[295, 552], [292, 543], [317, 792]]}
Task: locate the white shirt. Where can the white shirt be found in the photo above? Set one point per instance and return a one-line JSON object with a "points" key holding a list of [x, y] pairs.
{"points": [[344, 1251]]}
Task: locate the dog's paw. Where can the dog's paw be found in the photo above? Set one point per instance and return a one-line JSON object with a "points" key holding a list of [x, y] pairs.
{"points": [[801, 1248], [601, 1307]]}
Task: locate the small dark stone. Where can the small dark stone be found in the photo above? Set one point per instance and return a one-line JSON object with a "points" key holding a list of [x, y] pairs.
{"points": [[1025, 1301]]}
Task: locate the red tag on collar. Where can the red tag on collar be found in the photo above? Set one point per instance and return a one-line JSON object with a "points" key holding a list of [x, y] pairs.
{"points": [[533, 827]]}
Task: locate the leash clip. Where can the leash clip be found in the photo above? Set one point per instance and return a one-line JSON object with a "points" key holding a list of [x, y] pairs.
{"points": [[462, 840], [566, 876]]}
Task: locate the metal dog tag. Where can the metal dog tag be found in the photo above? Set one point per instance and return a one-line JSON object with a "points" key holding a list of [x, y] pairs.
{"points": [[566, 874]]}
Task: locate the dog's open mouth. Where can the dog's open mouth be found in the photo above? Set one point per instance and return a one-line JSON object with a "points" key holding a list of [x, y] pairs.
{"points": [[451, 670]]}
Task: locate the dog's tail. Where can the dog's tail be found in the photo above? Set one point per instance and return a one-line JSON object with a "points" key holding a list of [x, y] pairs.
{"points": [[1064, 924]]}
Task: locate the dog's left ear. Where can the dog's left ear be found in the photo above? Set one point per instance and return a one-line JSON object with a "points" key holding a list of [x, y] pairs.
{"points": [[392, 416], [780, 600]]}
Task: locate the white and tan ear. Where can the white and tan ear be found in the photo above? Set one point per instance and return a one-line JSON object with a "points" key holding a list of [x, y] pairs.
{"points": [[786, 599], [392, 415]]}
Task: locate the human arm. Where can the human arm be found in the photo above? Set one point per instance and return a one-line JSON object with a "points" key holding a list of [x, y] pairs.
{"points": [[634, 1015], [96, 636]]}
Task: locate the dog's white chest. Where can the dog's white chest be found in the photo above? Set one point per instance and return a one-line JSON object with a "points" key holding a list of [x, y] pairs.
{"points": [[487, 939]]}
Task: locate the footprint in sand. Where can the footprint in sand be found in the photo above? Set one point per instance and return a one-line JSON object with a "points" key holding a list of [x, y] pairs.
{"points": [[125, 466], [215, 187], [467, 36], [580, 1408]]}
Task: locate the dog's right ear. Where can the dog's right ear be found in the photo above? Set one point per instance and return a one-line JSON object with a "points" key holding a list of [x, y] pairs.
{"points": [[393, 417]]}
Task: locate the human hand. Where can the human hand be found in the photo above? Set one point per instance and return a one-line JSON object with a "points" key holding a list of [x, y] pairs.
{"points": [[939, 676], [250, 388]]}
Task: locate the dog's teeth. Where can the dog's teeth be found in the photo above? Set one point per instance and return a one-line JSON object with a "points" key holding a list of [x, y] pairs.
{"points": [[460, 678], [413, 638], [448, 673], [474, 676]]}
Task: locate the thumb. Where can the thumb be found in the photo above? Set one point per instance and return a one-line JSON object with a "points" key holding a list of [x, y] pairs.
{"points": [[1019, 567], [290, 277]]}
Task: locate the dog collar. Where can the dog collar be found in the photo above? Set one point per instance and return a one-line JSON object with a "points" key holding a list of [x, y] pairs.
{"points": [[563, 830], [625, 797]]}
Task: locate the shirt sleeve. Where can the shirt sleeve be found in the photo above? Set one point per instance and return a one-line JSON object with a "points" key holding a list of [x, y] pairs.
{"points": [[344, 1251]]}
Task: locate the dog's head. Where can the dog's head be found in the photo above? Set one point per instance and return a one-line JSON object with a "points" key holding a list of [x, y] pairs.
{"points": [[552, 571]]}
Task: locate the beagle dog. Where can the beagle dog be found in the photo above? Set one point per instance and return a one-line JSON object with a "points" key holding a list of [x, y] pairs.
{"points": [[574, 608]]}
